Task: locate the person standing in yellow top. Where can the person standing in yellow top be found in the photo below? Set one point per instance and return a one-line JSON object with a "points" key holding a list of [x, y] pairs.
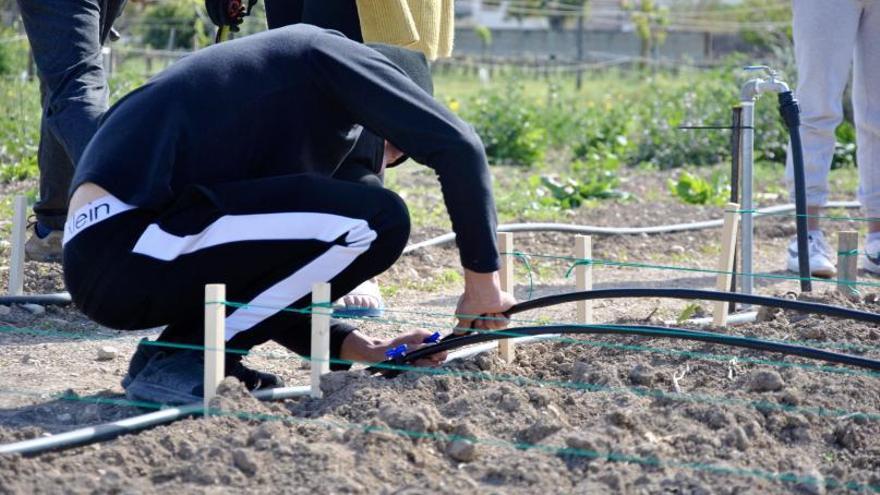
{"points": [[426, 26]]}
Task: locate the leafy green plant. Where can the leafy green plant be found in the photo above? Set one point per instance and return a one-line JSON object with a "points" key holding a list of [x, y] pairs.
{"points": [[845, 147], [596, 179], [508, 124], [694, 190], [19, 170]]}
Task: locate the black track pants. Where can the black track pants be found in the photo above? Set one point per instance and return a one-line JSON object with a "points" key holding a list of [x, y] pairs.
{"points": [[267, 239]]}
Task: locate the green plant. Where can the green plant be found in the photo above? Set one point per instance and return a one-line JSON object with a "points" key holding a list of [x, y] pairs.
{"points": [[508, 125], [595, 179], [695, 190], [845, 147], [19, 170], [174, 25], [689, 311]]}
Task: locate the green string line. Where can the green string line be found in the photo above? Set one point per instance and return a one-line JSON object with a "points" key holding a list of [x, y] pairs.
{"points": [[653, 461], [525, 259], [806, 215], [851, 252], [562, 339], [575, 385], [593, 261], [697, 355]]}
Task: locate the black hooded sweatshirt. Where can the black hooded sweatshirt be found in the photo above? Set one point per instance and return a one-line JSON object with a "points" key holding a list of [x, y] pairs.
{"points": [[286, 101]]}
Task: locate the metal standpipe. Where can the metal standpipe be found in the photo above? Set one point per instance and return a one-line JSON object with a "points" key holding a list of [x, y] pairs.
{"points": [[749, 94], [748, 163]]}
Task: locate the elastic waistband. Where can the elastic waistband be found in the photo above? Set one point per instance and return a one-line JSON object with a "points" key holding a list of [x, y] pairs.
{"points": [[93, 213]]}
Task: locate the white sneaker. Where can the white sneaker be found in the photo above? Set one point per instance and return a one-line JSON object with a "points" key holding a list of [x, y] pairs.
{"points": [[871, 258], [821, 256]]}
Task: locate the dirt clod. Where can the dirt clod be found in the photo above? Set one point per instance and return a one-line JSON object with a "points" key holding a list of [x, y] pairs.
{"points": [[765, 381], [642, 374], [244, 461]]}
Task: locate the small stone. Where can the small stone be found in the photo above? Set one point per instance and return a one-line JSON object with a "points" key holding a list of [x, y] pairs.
{"points": [[34, 309], [244, 462], [642, 374], [462, 450], [765, 381], [5, 310], [107, 353], [27, 359], [676, 249]]}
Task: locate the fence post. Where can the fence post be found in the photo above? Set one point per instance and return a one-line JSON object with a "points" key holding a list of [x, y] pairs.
{"points": [[320, 355], [215, 340], [505, 246], [583, 274], [725, 262], [16, 258], [847, 262]]}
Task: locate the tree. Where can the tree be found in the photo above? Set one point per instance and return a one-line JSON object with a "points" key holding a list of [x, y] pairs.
{"points": [[650, 21], [557, 12]]}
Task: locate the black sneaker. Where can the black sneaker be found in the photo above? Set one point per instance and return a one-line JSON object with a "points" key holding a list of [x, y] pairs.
{"points": [[251, 378], [142, 355]]}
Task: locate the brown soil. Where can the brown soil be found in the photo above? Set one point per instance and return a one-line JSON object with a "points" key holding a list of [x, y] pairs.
{"points": [[603, 415]]}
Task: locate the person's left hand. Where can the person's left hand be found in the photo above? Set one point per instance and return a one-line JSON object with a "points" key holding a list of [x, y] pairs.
{"points": [[413, 340]]}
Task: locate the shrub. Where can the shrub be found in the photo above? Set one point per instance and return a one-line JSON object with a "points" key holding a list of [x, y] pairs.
{"points": [[508, 125], [174, 25]]}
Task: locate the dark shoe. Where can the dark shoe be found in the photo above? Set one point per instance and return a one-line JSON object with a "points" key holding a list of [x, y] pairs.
{"points": [[253, 379], [44, 245], [174, 378], [144, 352]]}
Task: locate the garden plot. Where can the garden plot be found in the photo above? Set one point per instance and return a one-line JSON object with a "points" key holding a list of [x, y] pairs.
{"points": [[565, 417], [594, 415]]}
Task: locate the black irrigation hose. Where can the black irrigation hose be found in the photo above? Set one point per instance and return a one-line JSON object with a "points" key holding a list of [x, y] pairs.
{"points": [[708, 295], [645, 331], [59, 299], [456, 341]]}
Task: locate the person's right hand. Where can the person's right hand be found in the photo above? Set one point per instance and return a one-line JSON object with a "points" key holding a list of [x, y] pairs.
{"points": [[483, 303]]}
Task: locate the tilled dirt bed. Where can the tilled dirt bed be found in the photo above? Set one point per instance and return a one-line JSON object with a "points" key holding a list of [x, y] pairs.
{"points": [[570, 415], [565, 417]]}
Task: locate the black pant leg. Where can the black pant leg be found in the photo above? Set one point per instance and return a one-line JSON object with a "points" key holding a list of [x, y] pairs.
{"points": [[267, 239]]}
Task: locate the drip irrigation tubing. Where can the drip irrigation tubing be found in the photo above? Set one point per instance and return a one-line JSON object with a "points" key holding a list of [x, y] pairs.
{"points": [[707, 295], [57, 299], [594, 230], [641, 330], [455, 341]]}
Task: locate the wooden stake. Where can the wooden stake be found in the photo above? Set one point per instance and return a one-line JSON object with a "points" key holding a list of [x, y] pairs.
{"points": [[16, 258], [583, 274], [505, 245], [847, 262], [320, 336], [725, 262], [215, 339]]}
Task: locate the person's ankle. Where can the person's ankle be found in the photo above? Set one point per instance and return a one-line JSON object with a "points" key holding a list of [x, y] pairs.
{"points": [[42, 230]]}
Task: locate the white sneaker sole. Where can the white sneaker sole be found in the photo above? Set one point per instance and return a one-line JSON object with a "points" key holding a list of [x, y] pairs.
{"points": [[815, 271], [870, 266]]}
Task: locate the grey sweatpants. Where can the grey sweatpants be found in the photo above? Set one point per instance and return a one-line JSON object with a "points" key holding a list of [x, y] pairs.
{"points": [[830, 36], [66, 38]]}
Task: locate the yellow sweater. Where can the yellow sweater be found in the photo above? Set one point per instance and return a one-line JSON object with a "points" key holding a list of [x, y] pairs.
{"points": [[424, 25]]}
